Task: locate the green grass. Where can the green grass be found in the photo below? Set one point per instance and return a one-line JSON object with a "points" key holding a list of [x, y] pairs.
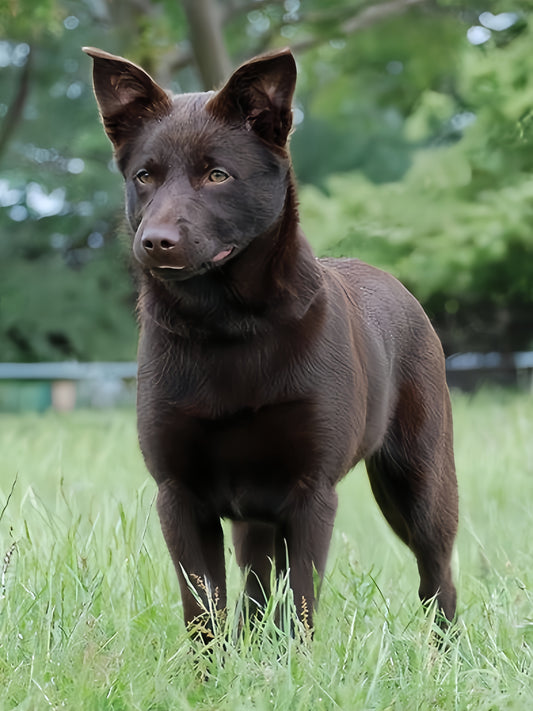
{"points": [[90, 615]]}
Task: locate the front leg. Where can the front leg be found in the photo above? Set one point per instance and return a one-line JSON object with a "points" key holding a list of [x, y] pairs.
{"points": [[196, 544], [307, 529]]}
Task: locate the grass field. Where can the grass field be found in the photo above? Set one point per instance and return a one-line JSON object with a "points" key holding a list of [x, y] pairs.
{"points": [[90, 615]]}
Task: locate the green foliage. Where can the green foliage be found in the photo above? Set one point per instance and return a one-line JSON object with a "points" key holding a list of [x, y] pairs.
{"points": [[42, 295], [22, 19], [358, 93], [468, 262], [90, 614]]}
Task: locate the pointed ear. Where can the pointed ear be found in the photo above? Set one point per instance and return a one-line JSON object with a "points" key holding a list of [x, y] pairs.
{"points": [[260, 95], [126, 95]]}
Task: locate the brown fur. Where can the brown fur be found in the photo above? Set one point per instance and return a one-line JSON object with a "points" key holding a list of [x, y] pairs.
{"points": [[264, 373]]}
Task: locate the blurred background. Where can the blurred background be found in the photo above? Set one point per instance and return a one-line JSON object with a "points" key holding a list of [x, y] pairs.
{"points": [[413, 150]]}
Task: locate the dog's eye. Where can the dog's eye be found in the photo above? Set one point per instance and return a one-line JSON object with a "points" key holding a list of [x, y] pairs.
{"points": [[218, 176], [143, 176]]}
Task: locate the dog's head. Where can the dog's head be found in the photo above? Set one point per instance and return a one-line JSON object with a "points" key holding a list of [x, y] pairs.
{"points": [[205, 173]]}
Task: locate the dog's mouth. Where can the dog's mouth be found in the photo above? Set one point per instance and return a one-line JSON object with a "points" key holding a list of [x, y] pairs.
{"points": [[221, 256], [173, 272]]}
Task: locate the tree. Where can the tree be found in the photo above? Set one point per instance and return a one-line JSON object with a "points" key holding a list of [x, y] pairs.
{"points": [[205, 26]]}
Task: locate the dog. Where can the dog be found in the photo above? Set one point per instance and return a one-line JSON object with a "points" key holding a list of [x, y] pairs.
{"points": [[264, 373]]}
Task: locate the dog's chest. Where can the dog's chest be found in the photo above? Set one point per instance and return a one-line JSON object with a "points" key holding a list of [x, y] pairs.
{"points": [[251, 462]]}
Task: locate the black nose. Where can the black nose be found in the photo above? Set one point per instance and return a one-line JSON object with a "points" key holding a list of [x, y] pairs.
{"points": [[159, 241], [161, 245]]}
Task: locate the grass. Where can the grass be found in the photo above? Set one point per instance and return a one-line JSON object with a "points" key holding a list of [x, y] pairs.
{"points": [[90, 615]]}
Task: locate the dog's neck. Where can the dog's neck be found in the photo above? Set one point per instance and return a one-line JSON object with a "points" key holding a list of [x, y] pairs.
{"points": [[278, 266]]}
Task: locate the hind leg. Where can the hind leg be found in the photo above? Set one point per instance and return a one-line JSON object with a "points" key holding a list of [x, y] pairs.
{"points": [[413, 480]]}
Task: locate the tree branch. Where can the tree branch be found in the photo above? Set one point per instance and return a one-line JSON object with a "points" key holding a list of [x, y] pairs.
{"points": [[376, 13], [234, 8], [371, 15], [16, 108]]}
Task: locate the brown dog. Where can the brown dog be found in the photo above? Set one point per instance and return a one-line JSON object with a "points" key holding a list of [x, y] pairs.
{"points": [[264, 373]]}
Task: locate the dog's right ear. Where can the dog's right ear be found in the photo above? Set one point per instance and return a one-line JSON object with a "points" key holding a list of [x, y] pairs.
{"points": [[126, 95]]}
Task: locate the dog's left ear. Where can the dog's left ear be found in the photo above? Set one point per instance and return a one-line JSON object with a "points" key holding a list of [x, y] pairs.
{"points": [[260, 94]]}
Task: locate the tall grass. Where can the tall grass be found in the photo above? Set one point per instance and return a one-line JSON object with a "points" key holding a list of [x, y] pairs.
{"points": [[90, 615]]}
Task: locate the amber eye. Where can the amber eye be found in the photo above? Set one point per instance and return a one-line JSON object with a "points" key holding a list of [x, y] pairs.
{"points": [[218, 176], [143, 176]]}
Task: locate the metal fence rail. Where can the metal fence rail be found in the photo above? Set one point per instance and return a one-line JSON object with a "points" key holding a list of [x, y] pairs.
{"points": [[490, 361], [69, 370], [64, 386], [469, 371]]}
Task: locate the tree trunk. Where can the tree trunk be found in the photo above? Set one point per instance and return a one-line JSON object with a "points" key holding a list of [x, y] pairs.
{"points": [[207, 39], [14, 113]]}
